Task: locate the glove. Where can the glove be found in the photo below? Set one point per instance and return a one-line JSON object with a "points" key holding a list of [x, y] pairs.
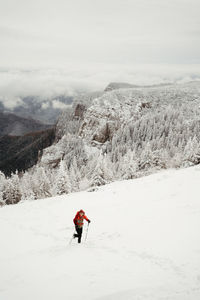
{"points": [[89, 221]]}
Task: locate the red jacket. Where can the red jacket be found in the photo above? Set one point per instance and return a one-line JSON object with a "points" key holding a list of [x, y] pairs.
{"points": [[78, 220]]}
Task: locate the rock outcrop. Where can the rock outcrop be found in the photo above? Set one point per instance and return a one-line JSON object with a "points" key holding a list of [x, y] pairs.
{"points": [[79, 111], [108, 113]]}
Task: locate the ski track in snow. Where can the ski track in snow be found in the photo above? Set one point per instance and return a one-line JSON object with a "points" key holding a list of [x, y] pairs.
{"points": [[143, 243]]}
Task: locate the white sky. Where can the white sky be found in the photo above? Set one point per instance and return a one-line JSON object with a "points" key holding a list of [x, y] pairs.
{"points": [[57, 32], [99, 34]]}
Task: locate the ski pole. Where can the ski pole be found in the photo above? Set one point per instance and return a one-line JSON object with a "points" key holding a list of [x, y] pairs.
{"points": [[87, 232]]}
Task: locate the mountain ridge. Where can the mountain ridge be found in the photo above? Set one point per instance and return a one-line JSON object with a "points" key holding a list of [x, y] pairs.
{"points": [[11, 124], [19, 153], [124, 85]]}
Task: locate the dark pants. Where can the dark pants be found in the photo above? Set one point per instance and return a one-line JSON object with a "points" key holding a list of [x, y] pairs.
{"points": [[79, 231]]}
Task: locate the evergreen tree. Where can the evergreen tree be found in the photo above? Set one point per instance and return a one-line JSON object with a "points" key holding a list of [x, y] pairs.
{"points": [[12, 193], [145, 160], [63, 183], [40, 183], [101, 173], [27, 187], [192, 152], [2, 186], [75, 176], [128, 166]]}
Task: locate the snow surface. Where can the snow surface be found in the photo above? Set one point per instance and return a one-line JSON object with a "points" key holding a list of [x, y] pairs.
{"points": [[143, 243]]}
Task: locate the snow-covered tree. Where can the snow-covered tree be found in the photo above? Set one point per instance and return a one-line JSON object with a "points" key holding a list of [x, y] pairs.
{"points": [[146, 158], [100, 174], [128, 166], [63, 182], [2, 186], [75, 175], [40, 183], [12, 193], [27, 187], [192, 152]]}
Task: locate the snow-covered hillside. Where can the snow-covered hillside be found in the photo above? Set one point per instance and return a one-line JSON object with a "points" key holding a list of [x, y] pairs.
{"points": [[111, 136], [143, 243]]}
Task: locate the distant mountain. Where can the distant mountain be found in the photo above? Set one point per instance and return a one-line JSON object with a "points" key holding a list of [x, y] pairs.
{"points": [[43, 110], [10, 124], [21, 152], [119, 85], [124, 85]]}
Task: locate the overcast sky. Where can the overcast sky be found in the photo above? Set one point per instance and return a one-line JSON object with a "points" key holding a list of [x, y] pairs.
{"points": [[82, 35]]}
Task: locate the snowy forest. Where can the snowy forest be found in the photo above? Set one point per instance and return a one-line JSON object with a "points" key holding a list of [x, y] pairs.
{"points": [[117, 135]]}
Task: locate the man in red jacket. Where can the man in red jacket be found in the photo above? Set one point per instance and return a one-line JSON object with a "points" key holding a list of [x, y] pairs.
{"points": [[78, 222]]}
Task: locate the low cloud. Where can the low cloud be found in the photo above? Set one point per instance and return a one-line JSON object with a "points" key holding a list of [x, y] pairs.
{"points": [[11, 102], [59, 105], [50, 83], [45, 105]]}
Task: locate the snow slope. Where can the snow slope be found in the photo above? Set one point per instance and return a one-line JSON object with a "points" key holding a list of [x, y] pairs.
{"points": [[143, 243]]}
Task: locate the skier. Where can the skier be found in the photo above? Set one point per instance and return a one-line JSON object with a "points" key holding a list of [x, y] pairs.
{"points": [[78, 222]]}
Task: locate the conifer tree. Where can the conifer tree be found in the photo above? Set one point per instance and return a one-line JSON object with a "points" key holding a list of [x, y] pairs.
{"points": [[63, 183], [12, 193], [192, 152], [2, 186]]}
